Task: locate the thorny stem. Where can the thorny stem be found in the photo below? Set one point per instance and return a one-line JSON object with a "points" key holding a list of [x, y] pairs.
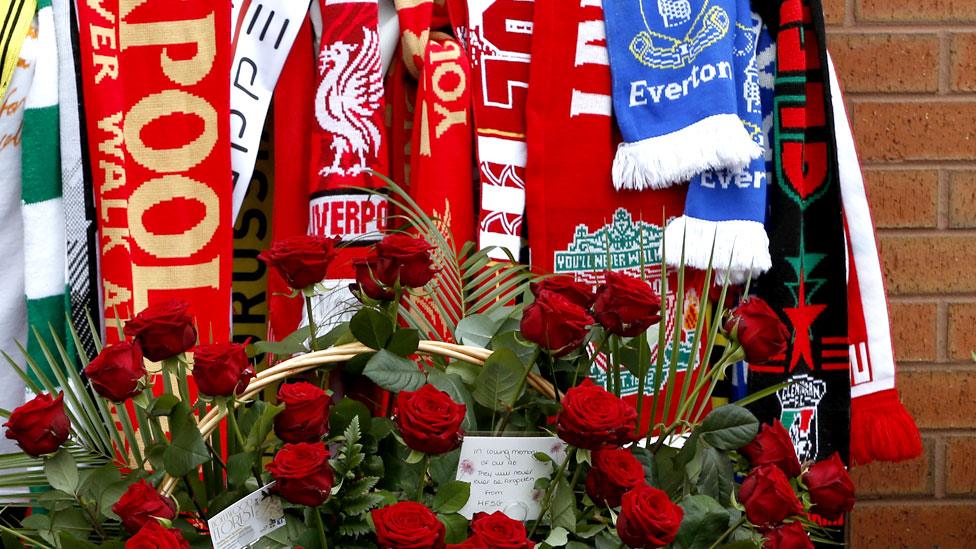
{"points": [[546, 500]]}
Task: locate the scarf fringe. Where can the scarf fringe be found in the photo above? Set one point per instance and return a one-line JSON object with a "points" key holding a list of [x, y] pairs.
{"points": [[713, 143], [741, 247], [882, 429]]}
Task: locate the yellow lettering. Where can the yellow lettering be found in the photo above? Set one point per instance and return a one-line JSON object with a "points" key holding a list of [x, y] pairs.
{"points": [[199, 32], [450, 118], [111, 125], [172, 277], [161, 104], [115, 295], [113, 176], [165, 188], [113, 237]]}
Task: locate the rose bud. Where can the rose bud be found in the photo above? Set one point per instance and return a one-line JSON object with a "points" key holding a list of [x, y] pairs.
{"points": [[774, 446], [306, 414], [142, 504], [787, 536], [39, 426], [163, 330], [768, 497], [613, 474], [732, 294], [302, 473], [221, 369], [648, 518], [757, 328], [429, 420], [626, 305], [367, 282], [566, 286], [404, 258], [497, 531], [303, 260], [407, 524], [831, 489], [555, 323], [156, 536], [117, 371], [593, 418]]}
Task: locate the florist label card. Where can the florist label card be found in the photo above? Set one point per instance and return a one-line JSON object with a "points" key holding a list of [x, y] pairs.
{"points": [[502, 472], [248, 520]]}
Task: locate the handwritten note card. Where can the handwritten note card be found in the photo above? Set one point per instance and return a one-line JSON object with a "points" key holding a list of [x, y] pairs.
{"points": [[248, 520], [502, 472]]}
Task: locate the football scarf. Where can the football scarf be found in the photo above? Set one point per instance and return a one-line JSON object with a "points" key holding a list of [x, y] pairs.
{"points": [[728, 208], [262, 35], [499, 41], [158, 134], [573, 209], [17, 16], [674, 91], [807, 280], [881, 428], [43, 208]]}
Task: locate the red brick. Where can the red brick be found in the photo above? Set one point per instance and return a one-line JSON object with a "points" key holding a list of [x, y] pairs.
{"points": [[916, 131], [962, 330], [929, 264], [915, 11], [912, 477], [834, 11], [940, 399], [960, 457], [913, 526], [876, 62], [962, 62], [962, 199], [904, 198], [913, 331]]}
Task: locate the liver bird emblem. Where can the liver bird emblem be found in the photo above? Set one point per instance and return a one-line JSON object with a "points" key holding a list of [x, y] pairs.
{"points": [[347, 99]]}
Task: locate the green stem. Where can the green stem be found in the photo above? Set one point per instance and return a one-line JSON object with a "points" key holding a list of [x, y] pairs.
{"points": [[423, 479], [96, 524], [232, 421], [546, 500], [617, 378], [518, 393], [312, 329], [589, 362], [320, 526], [642, 363], [727, 533]]}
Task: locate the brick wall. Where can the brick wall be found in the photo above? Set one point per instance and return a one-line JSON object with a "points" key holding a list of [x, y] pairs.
{"points": [[909, 70]]}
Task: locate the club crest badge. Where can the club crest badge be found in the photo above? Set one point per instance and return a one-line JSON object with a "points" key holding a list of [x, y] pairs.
{"points": [[694, 33], [799, 402]]}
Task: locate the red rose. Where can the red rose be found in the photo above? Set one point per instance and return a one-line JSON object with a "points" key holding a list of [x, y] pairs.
{"points": [[626, 305], [142, 504], [473, 542], [788, 536], [306, 414], [768, 497], [163, 330], [566, 286], [500, 532], [367, 281], [593, 418], [614, 472], [732, 294], [404, 257], [301, 260], [773, 445], [757, 328], [302, 473], [40, 426], [555, 323], [831, 489], [407, 525], [429, 420], [117, 371], [648, 518], [156, 536], [221, 369]]}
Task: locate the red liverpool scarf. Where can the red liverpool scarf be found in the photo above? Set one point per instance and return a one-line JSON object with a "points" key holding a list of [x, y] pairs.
{"points": [[572, 208], [156, 88]]}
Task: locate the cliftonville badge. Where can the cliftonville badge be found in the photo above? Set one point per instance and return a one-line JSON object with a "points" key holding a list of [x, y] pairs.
{"points": [[628, 246], [799, 402]]}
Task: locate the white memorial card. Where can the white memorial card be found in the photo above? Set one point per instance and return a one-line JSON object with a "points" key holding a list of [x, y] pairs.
{"points": [[502, 472], [247, 520]]}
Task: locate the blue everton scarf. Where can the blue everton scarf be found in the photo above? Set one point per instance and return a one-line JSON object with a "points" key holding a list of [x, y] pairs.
{"points": [[729, 206], [674, 90]]}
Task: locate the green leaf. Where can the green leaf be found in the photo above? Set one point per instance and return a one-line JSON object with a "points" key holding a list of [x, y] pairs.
{"points": [[557, 537], [729, 427], [415, 457], [498, 384], [715, 476], [239, 467], [456, 527], [631, 353], [704, 521], [371, 328], [451, 497], [443, 468], [186, 450], [477, 330], [341, 415], [62, 471], [404, 342], [334, 336], [110, 496], [162, 405], [646, 459], [524, 350], [257, 421], [562, 509], [465, 370], [294, 343], [394, 373], [380, 427]]}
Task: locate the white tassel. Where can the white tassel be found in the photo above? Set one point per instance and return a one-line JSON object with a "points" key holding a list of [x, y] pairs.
{"points": [[741, 247], [714, 143]]}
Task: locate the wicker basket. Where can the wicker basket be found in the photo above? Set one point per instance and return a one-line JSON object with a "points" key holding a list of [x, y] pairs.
{"points": [[341, 353]]}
